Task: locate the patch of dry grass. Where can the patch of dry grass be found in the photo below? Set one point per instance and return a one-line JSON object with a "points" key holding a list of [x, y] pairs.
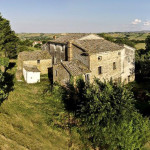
{"points": [[140, 46], [29, 120]]}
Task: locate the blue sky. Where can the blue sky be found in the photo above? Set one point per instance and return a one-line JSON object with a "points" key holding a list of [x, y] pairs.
{"points": [[60, 16]]}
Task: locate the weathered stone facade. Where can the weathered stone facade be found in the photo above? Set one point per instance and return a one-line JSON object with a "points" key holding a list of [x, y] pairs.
{"points": [[42, 65], [60, 74], [58, 52], [106, 64], [78, 54], [128, 64], [104, 59], [40, 59]]}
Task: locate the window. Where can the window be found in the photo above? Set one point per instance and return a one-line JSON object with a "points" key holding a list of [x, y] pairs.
{"points": [[55, 60], [119, 53], [114, 65], [56, 73], [87, 77], [99, 58], [128, 59], [119, 79], [99, 70], [38, 61], [128, 78]]}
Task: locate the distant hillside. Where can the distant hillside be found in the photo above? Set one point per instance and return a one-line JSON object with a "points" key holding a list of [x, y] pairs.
{"points": [[36, 36]]}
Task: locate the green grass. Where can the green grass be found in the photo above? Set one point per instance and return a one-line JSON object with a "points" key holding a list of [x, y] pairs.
{"points": [[131, 36], [140, 46], [32, 120]]}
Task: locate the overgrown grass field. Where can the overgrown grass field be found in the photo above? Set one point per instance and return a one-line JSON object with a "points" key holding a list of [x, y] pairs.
{"points": [[32, 118]]}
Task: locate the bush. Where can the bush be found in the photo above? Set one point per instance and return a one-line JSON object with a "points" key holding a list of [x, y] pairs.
{"points": [[108, 118]]}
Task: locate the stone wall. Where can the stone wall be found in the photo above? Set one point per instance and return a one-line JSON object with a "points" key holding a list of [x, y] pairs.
{"points": [[58, 53], [19, 63], [106, 62], [43, 65], [60, 74], [128, 64], [78, 54]]}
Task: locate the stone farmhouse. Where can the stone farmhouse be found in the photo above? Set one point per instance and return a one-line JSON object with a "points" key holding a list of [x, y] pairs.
{"points": [[89, 56], [32, 64]]}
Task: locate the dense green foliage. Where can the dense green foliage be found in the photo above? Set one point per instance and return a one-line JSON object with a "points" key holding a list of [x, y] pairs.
{"points": [[143, 61], [4, 61], [147, 41], [24, 45], [8, 39], [141, 88], [108, 118], [38, 46]]}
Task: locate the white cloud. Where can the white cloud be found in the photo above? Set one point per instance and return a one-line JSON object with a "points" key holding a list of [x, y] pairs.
{"points": [[136, 21], [147, 23]]}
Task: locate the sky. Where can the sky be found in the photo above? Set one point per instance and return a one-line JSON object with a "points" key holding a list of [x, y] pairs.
{"points": [[68, 16]]}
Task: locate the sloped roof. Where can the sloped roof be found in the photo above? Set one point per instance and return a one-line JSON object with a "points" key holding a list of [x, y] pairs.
{"points": [[95, 46], [31, 68], [75, 67], [34, 55], [70, 36]]}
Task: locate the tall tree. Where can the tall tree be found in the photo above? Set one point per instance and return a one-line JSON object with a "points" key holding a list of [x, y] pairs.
{"points": [[147, 42], [8, 39]]}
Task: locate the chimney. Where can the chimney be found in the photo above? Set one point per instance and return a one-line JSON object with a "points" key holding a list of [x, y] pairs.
{"points": [[69, 50], [54, 37]]}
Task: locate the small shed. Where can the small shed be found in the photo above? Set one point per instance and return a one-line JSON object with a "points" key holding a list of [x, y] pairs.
{"points": [[31, 74]]}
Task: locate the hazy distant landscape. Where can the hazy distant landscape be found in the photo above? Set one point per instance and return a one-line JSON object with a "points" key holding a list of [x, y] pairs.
{"points": [[138, 37]]}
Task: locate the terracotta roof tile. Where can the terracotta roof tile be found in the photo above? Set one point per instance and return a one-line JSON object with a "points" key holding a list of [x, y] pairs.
{"points": [[31, 68], [75, 67], [95, 46], [34, 55], [70, 36]]}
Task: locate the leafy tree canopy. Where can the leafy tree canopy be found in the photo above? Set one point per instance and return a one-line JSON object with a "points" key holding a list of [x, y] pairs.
{"points": [[147, 42], [108, 116], [8, 39]]}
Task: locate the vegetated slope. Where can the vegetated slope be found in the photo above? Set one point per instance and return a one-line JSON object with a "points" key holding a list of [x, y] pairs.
{"points": [[30, 120], [36, 36]]}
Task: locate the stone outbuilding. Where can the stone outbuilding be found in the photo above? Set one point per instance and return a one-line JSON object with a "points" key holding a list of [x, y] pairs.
{"points": [[39, 59], [31, 74]]}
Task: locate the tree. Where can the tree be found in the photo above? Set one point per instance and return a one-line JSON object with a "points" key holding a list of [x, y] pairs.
{"points": [[4, 62], [38, 46], [147, 42], [108, 118], [8, 39], [3, 93], [142, 64]]}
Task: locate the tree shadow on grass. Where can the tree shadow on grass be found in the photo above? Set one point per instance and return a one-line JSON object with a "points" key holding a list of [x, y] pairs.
{"points": [[8, 81], [11, 65]]}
